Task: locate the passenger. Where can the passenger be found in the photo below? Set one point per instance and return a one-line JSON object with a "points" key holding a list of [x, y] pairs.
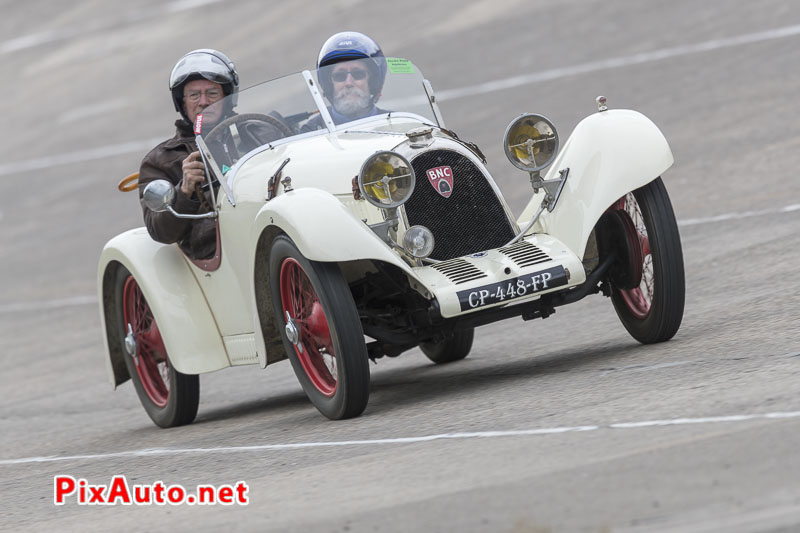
{"points": [[198, 80], [351, 69]]}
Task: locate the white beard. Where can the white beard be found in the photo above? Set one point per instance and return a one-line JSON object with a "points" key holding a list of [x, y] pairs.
{"points": [[352, 101]]}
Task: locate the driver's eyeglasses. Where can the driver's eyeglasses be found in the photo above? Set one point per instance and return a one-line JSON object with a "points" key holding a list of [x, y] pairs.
{"points": [[341, 75], [211, 95]]}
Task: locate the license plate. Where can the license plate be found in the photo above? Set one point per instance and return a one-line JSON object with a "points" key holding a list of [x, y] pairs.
{"points": [[512, 289]]}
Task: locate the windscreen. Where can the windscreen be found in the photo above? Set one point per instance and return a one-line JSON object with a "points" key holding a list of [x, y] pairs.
{"points": [[321, 100]]}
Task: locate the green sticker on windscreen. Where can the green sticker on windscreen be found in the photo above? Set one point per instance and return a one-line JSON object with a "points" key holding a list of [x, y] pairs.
{"points": [[225, 169], [398, 65]]}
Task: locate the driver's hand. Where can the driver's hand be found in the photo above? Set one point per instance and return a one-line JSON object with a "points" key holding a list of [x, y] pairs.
{"points": [[193, 173]]}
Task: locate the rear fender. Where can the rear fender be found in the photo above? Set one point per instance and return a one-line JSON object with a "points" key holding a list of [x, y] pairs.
{"points": [[324, 230], [179, 307], [608, 155]]}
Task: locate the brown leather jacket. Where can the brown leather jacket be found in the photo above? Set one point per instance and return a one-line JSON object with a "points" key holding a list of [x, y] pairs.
{"points": [[197, 238]]}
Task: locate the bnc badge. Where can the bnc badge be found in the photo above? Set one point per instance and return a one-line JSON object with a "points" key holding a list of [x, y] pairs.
{"points": [[442, 180]]}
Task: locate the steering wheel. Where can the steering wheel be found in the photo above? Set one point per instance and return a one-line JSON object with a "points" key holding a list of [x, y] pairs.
{"points": [[276, 123]]}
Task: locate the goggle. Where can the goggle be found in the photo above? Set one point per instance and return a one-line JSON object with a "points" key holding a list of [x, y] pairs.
{"points": [[341, 75]]}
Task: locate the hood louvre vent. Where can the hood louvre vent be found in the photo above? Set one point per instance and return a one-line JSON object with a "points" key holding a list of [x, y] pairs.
{"points": [[525, 254], [458, 271]]}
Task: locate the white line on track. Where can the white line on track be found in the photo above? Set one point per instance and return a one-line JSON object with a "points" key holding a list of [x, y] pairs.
{"points": [[44, 305], [623, 61], [60, 34], [403, 440], [736, 216], [80, 156], [448, 94]]}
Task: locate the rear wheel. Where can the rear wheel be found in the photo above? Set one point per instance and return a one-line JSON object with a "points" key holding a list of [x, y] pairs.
{"points": [[648, 278], [321, 331], [169, 397], [454, 347]]}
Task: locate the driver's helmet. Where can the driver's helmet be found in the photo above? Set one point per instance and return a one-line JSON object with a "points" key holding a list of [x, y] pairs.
{"points": [[346, 46], [208, 64]]}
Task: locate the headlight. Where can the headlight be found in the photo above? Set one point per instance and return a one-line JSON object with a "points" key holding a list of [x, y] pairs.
{"points": [[531, 142], [418, 241], [386, 179]]}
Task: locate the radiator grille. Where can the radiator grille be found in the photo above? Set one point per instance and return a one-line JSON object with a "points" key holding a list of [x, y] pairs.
{"points": [[472, 219]]}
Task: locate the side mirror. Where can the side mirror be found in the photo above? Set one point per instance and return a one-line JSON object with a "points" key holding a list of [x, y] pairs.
{"points": [[531, 142], [158, 195]]}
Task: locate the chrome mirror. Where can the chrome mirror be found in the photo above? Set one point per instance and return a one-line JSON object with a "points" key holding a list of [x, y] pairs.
{"points": [[158, 195]]}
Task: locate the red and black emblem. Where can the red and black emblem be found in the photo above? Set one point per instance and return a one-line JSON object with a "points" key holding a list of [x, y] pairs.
{"points": [[198, 124], [442, 180]]}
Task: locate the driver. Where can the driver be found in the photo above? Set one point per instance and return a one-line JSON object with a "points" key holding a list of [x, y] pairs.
{"points": [[198, 80], [351, 69]]}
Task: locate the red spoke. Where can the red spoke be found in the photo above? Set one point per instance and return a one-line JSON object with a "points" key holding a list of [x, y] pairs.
{"points": [[637, 300], [640, 297], [151, 357], [137, 311], [143, 313], [644, 242], [307, 296], [308, 335], [299, 297]]}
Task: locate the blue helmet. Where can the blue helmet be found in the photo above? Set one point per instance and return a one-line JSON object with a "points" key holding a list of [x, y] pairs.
{"points": [[346, 46]]}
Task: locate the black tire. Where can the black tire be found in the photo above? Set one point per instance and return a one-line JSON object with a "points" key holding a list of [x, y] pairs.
{"points": [[453, 348], [651, 310], [169, 402], [330, 357]]}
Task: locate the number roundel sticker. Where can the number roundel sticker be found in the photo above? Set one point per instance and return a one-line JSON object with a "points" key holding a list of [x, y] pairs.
{"points": [[441, 178]]}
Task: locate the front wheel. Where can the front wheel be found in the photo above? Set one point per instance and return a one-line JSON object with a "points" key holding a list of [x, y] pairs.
{"points": [[169, 397], [321, 330], [454, 347], [648, 278]]}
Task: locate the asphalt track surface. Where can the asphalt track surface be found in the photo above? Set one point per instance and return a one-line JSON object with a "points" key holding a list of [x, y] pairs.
{"points": [[559, 425]]}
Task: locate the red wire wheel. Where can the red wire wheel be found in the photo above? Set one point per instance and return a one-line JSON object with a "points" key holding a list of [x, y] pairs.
{"points": [[168, 396], [320, 329], [150, 358], [638, 299], [314, 347], [649, 287]]}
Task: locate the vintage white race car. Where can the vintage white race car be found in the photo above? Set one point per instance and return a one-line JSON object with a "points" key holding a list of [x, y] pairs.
{"points": [[338, 243]]}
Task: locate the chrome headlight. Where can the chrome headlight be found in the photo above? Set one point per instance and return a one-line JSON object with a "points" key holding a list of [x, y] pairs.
{"points": [[386, 180], [531, 142], [418, 241]]}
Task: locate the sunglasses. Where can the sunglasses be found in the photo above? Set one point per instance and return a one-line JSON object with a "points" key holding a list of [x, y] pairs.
{"points": [[341, 75]]}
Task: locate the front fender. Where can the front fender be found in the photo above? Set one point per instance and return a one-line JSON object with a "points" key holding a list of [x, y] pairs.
{"points": [[187, 326], [324, 230], [608, 155]]}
